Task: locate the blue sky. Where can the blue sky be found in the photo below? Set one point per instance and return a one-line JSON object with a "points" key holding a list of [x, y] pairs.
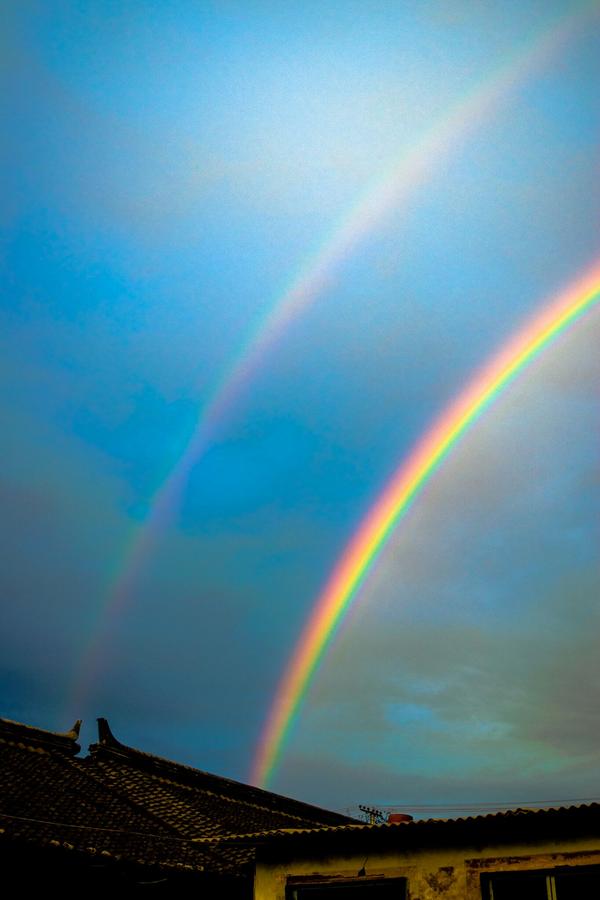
{"points": [[170, 169]]}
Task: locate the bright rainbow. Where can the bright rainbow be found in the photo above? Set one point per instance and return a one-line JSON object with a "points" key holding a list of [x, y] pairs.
{"points": [[398, 183], [395, 500]]}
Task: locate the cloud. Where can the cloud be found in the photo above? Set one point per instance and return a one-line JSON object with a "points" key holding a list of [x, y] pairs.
{"points": [[457, 711], [471, 697], [424, 795]]}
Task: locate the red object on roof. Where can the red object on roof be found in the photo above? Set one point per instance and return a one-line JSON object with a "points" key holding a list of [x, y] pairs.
{"points": [[394, 818]]}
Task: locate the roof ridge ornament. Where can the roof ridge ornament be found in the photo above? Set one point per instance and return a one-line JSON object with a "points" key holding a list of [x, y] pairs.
{"points": [[73, 733], [63, 742], [105, 735]]}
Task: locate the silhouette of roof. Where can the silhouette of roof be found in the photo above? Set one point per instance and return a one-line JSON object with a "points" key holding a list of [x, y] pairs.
{"points": [[513, 825], [126, 804]]}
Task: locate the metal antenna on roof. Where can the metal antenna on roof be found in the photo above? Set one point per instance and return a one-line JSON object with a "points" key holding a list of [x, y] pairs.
{"points": [[373, 816]]}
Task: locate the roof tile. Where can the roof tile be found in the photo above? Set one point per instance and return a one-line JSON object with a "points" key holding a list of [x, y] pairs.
{"points": [[131, 805]]}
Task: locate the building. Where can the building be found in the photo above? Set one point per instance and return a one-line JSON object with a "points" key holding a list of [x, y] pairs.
{"points": [[522, 854], [121, 817]]}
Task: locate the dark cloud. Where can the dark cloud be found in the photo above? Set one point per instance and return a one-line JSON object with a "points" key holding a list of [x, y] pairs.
{"points": [[472, 700], [423, 795]]}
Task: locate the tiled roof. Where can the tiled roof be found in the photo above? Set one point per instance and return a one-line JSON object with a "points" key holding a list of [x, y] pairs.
{"points": [[49, 798], [196, 803], [582, 818], [127, 804]]}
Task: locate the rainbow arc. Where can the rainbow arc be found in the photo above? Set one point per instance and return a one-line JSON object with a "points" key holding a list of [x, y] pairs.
{"points": [[342, 587], [393, 189]]}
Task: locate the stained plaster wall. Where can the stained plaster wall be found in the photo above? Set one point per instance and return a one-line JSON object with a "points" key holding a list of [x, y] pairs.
{"points": [[449, 873]]}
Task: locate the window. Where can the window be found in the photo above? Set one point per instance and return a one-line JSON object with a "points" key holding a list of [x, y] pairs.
{"points": [[350, 889], [568, 883]]}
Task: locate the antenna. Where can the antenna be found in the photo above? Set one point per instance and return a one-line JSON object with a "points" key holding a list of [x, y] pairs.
{"points": [[372, 815]]}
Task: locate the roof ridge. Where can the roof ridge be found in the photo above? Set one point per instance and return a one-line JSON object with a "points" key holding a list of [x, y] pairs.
{"points": [[29, 748], [417, 823], [64, 742], [108, 744], [273, 832]]}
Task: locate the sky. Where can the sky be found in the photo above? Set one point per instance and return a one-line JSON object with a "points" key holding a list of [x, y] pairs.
{"points": [[170, 171]]}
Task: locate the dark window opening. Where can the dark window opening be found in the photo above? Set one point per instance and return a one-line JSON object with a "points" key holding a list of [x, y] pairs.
{"points": [[357, 889], [567, 883]]}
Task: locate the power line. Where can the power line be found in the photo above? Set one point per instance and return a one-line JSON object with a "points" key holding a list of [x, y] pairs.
{"points": [[145, 834], [468, 807]]}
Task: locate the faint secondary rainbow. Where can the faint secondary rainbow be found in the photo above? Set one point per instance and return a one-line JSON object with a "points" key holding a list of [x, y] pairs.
{"points": [[341, 589], [395, 186]]}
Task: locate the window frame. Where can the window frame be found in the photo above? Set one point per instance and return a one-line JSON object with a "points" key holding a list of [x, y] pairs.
{"points": [[549, 874], [302, 889]]}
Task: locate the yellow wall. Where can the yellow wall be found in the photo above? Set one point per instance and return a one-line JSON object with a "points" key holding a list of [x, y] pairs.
{"points": [[451, 873]]}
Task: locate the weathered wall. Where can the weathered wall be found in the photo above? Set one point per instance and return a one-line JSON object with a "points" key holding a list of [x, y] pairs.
{"points": [[449, 873]]}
